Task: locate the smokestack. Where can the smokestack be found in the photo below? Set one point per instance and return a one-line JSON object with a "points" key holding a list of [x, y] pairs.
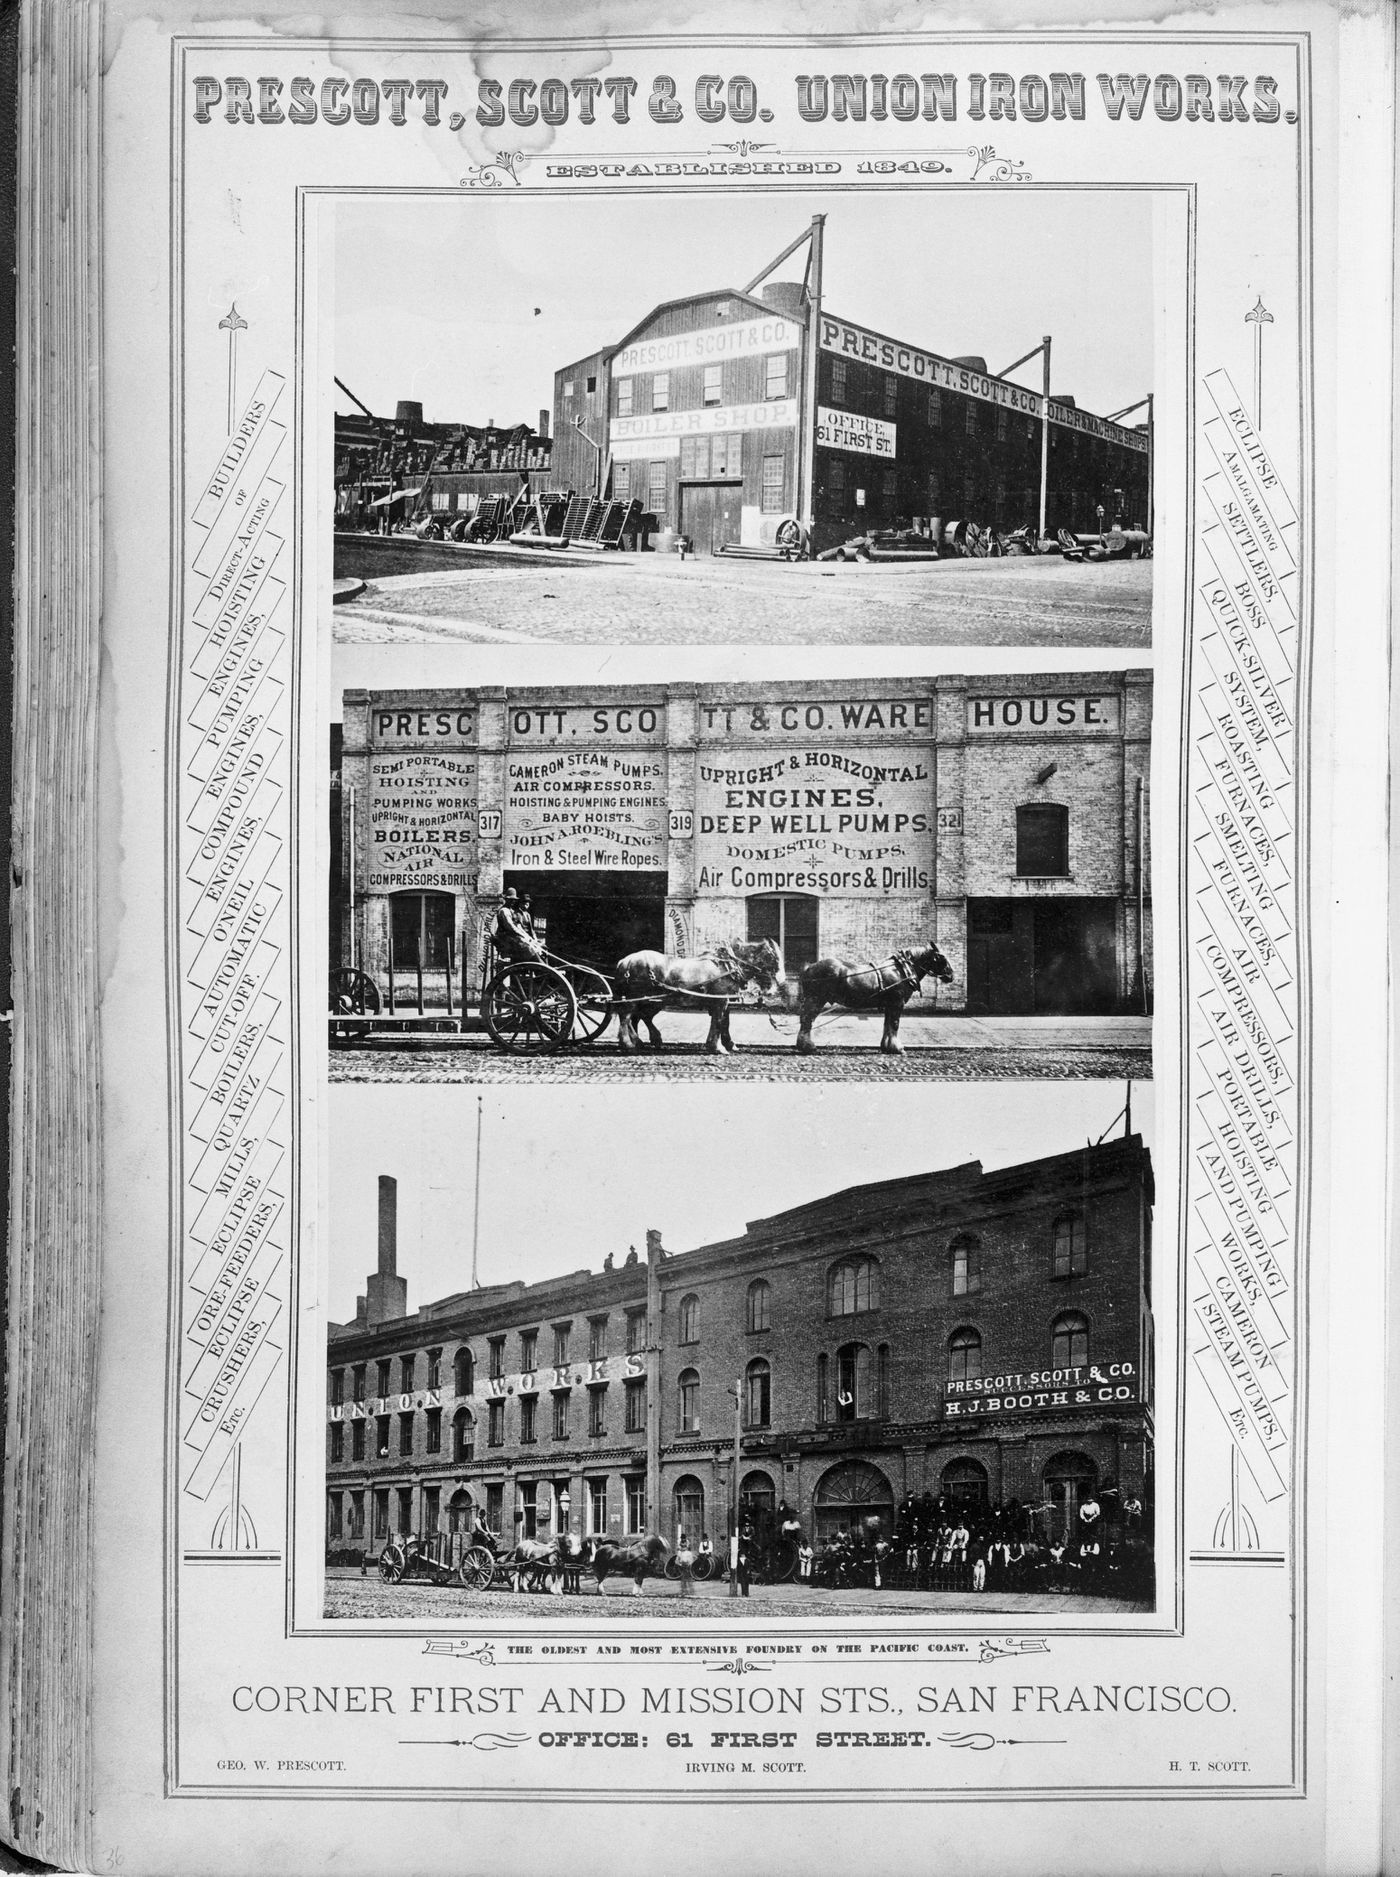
{"points": [[388, 1225], [544, 424], [654, 1251]]}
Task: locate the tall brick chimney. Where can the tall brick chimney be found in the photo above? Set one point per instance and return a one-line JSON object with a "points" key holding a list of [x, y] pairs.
{"points": [[386, 1293]]}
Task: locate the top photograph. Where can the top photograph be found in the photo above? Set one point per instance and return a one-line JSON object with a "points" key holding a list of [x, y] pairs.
{"points": [[916, 417]]}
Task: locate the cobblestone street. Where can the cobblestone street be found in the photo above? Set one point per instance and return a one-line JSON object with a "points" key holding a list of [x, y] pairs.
{"points": [[417, 592]]}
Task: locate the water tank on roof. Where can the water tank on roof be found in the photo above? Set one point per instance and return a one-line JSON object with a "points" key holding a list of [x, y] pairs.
{"points": [[784, 296], [406, 411], [973, 363]]}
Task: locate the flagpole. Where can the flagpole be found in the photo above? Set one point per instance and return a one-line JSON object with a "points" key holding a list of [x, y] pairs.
{"points": [[476, 1201]]}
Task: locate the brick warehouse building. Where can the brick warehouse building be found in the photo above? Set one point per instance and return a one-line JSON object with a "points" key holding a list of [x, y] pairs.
{"points": [[1004, 816], [984, 1335], [725, 412]]}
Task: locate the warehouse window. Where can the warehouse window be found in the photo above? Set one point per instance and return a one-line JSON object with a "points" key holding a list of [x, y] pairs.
{"points": [[381, 1436], [622, 482], [337, 1442], [463, 1376], [407, 1366], [1069, 1343], [435, 1368], [495, 1506], [891, 395], [838, 381], [406, 1434], [890, 484], [853, 1287], [568, 387], [357, 1515], [495, 1424], [964, 1356], [853, 1383], [336, 1525], [624, 397], [661, 391], [756, 1306], [772, 485], [636, 1331], [597, 1338], [757, 1393], [836, 480], [442, 498], [597, 1507], [775, 376], [498, 1357], [970, 418], [695, 458], [561, 1414], [1042, 840], [636, 1395], [529, 1351], [636, 1504], [713, 393], [935, 410], [357, 1440], [463, 1437], [1001, 426], [528, 1407], [690, 1319], [359, 1378], [688, 1401], [405, 1511], [432, 1431], [967, 1266], [590, 384], [561, 1344], [790, 920], [598, 1410], [381, 1515], [726, 454], [656, 489], [337, 1387], [1070, 1255]]}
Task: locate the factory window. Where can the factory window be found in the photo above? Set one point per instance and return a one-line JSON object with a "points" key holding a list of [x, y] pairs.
{"points": [[381, 1514], [561, 1414], [656, 489], [1001, 426], [561, 1344], [853, 1287], [636, 1504], [772, 485], [970, 418], [463, 1372], [690, 1319], [891, 395], [1070, 1256], [357, 1440], [381, 1437], [636, 1407], [726, 454], [568, 387], [757, 1393], [407, 1365], [1069, 1341], [775, 375], [622, 482], [661, 391], [688, 1401], [836, 480], [964, 1356], [435, 1368], [335, 1524], [359, 1379], [590, 383], [496, 1367], [598, 1410], [967, 1266], [853, 1394], [432, 1432], [756, 1306], [597, 1338], [714, 375], [431, 1500], [838, 381], [529, 1343], [406, 1434], [442, 498], [421, 930], [935, 410], [597, 1507], [337, 1442], [790, 920], [463, 1437], [495, 1506], [337, 1387], [405, 1511], [357, 1515], [464, 501], [528, 1407], [495, 1423], [636, 1331], [624, 397], [1042, 840]]}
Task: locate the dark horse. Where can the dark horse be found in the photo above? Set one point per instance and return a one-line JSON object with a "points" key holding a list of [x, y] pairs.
{"points": [[648, 980], [867, 986], [638, 1557]]}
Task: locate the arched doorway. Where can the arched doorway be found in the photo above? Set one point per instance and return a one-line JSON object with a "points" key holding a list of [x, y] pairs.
{"points": [[965, 1482], [1069, 1480], [848, 1493], [758, 1503], [459, 1511], [690, 1510]]}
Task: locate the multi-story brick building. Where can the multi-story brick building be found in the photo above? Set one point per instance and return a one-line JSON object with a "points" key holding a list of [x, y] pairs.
{"points": [[726, 412], [1003, 816], [411, 469], [981, 1335]]}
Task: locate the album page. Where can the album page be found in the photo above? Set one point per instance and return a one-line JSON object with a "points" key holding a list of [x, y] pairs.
{"points": [[743, 769]]}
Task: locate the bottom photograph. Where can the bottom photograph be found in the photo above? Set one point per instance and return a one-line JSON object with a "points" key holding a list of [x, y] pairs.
{"points": [[768, 1353]]}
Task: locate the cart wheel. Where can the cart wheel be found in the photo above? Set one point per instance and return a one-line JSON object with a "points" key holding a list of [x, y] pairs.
{"points": [[782, 1562], [391, 1563], [354, 994], [595, 1005], [476, 1569], [529, 1008], [672, 1569], [703, 1567]]}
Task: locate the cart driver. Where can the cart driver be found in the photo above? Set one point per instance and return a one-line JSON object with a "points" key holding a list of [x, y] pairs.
{"points": [[511, 934]]}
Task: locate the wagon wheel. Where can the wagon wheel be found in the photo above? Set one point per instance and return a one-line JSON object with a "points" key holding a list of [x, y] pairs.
{"points": [[353, 993], [476, 1569], [529, 1008], [672, 1568], [782, 1561], [391, 1564], [595, 1005]]}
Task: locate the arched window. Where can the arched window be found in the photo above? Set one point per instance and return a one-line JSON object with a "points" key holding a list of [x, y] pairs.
{"points": [[1069, 1479], [852, 1287], [757, 1397], [1042, 839], [1069, 1347], [965, 1482], [463, 1436], [967, 1266], [690, 1319], [756, 1306], [853, 1383], [463, 1372], [1070, 1256], [964, 1355], [688, 1401], [690, 1510]]}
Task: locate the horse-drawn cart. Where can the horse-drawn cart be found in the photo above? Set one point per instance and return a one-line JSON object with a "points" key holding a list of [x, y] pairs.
{"points": [[437, 1561]]}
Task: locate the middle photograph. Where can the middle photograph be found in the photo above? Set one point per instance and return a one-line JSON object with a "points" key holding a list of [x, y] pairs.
{"points": [[941, 876]]}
